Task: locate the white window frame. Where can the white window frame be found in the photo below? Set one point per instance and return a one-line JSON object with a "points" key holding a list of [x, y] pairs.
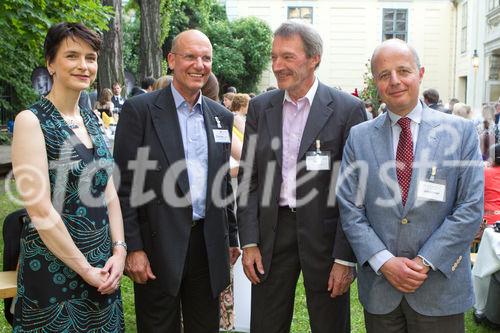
{"points": [[301, 4], [409, 17], [464, 27], [393, 22]]}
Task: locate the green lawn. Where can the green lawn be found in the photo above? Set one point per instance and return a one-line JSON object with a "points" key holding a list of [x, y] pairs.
{"points": [[300, 322]]}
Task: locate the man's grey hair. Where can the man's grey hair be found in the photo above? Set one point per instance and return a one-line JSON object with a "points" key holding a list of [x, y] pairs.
{"points": [[311, 40], [402, 42]]}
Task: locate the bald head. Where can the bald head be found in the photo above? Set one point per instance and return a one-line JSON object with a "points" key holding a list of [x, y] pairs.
{"points": [[191, 62], [397, 73], [187, 37], [394, 45]]}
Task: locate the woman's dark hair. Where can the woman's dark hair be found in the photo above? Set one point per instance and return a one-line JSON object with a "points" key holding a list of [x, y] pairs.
{"points": [[59, 32]]}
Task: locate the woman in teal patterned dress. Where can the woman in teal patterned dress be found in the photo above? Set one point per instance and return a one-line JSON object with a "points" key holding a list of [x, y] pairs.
{"points": [[72, 248]]}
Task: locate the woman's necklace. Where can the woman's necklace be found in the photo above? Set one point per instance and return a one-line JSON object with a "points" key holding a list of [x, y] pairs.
{"points": [[72, 123]]}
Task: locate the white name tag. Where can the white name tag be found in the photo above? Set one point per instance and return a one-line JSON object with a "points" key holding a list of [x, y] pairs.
{"points": [[317, 161], [222, 136], [431, 191]]}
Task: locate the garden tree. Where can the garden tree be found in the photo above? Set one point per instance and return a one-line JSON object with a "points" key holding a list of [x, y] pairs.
{"points": [[228, 62], [111, 56], [150, 54], [254, 40], [241, 48], [174, 16], [23, 25], [131, 45], [370, 89], [180, 15], [242, 51]]}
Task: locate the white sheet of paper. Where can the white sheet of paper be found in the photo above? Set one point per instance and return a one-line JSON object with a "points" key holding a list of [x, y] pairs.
{"points": [[317, 162], [431, 191], [222, 136]]}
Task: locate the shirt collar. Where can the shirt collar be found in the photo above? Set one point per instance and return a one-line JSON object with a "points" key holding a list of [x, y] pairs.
{"points": [[415, 115], [179, 100], [310, 94]]}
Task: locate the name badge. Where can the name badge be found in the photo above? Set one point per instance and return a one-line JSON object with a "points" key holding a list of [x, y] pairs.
{"points": [[317, 161], [222, 136], [434, 191]]}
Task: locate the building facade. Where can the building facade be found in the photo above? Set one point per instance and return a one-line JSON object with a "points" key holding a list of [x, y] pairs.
{"points": [[352, 29]]}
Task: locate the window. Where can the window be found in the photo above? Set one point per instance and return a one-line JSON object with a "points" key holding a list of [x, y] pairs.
{"points": [[463, 36], [303, 14], [493, 4], [395, 23]]}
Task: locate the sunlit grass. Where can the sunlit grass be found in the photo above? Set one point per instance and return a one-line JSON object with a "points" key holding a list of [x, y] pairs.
{"points": [[300, 322]]}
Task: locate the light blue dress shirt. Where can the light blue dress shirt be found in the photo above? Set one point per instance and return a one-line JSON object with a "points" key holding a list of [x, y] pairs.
{"points": [[194, 140]]}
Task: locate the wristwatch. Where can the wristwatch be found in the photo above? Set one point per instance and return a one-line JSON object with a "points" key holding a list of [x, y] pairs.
{"points": [[119, 243], [425, 262]]}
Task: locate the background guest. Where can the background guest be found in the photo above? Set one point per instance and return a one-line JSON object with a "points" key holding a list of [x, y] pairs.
{"points": [[486, 130], [451, 104], [431, 98], [492, 186], [104, 104], [231, 89], [162, 82], [146, 85], [462, 110], [227, 99], [117, 98], [239, 106]]}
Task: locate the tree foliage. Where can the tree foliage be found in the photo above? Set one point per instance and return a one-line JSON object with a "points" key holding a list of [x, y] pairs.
{"points": [[23, 25], [254, 40], [370, 89], [131, 36], [228, 63], [242, 51], [241, 48], [180, 15]]}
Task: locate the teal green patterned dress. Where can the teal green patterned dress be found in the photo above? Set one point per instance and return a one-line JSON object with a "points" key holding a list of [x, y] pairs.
{"points": [[51, 297]]}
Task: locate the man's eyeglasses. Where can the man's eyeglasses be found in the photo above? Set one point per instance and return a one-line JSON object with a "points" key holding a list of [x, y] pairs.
{"points": [[192, 58]]}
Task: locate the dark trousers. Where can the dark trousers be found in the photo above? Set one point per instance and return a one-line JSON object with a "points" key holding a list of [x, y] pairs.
{"points": [[158, 312], [406, 320], [273, 299]]}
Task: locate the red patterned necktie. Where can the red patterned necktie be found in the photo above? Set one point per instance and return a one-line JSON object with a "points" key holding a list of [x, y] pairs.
{"points": [[404, 157]]}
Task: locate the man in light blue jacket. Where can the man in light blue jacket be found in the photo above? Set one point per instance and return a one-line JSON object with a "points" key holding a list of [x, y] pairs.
{"points": [[411, 199]]}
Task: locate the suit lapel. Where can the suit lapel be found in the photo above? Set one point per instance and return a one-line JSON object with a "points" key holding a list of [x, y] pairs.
{"points": [[274, 118], [319, 113], [214, 153], [166, 124], [427, 146], [381, 140]]}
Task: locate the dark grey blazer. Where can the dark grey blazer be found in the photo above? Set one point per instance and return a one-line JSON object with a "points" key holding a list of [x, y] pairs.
{"points": [[157, 226], [320, 237]]}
